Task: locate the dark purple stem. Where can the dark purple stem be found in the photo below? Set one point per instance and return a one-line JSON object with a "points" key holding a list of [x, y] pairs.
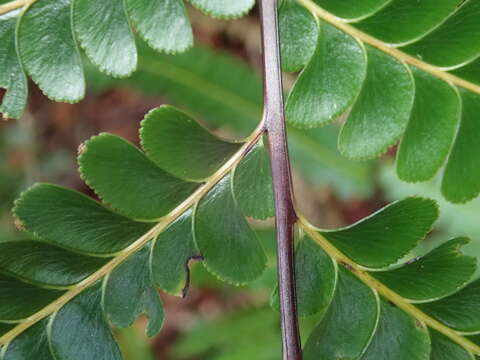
{"points": [[282, 180]]}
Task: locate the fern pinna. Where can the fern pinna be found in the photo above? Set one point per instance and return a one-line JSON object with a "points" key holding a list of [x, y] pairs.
{"points": [[89, 266], [403, 70]]}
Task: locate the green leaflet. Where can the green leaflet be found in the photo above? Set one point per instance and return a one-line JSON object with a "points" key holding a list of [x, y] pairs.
{"points": [[48, 50], [128, 292], [12, 76], [454, 219], [431, 128], [453, 43], [352, 9], [171, 253], [104, 32], [387, 235], [298, 35], [444, 349], [347, 328], [32, 341], [252, 184], [380, 114], [398, 337], [181, 146], [404, 21], [440, 273], [322, 93], [224, 9], [44, 264], [128, 180], [458, 311], [19, 300], [461, 178], [228, 245], [152, 18], [74, 326], [316, 277], [73, 221]]}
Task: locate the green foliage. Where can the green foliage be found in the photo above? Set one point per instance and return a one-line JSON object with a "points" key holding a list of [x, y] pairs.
{"points": [[442, 349], [75, 238], [385, 67], [133, 277], [461, 166], [226, 94], [100, 23], [456, 310], [151, 18], [170, 256], [43, 41], [41, 263], [430, 130], [106, 265], [48, 68], [157, 194], [430, 286], [220, 9], [254, 172], [458, 33], [385, 116], [299, 34], [198, 153], [354, 307], [241, 257], [12, 76], [417, 20], [352, 9], [403, 223], [357, 322], [399, 337], [187, 194], [307, 106], [322, 277], [342, 72], [75, 222]]}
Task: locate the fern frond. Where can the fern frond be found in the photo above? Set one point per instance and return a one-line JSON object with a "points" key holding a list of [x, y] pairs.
{"points": [[88, 266], [441, 280], [42, 38], [385, 63], [77, 243]]}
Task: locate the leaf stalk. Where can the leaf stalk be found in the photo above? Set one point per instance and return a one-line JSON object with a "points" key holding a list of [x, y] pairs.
{"points": [[285, 216]]}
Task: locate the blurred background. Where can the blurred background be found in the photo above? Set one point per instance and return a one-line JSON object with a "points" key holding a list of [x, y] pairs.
{"points": [[217, 82]]}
